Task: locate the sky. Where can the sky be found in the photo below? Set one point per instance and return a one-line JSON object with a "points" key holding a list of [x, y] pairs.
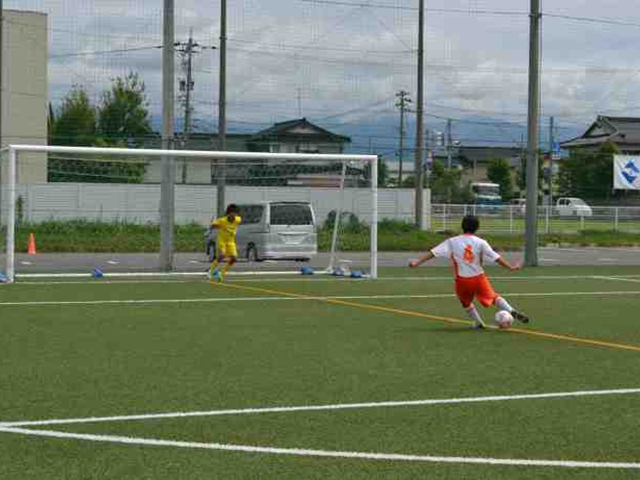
{"points": [[340, 63]]}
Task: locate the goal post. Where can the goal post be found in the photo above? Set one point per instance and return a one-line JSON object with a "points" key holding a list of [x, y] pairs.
{"points": [[99, 211]]}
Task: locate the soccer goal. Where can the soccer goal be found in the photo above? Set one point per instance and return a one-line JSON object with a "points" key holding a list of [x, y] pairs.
{"points": [[81, 211]]}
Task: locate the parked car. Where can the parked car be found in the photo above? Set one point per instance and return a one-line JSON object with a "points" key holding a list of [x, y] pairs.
{"points": [[273, 230], [569, 206]]}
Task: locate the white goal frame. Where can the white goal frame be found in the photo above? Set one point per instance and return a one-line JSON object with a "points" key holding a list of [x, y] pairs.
{"points": [[11, 153]]}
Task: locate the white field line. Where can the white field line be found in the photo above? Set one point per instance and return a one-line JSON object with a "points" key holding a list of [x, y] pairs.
{"points": [[328, 407], [398, 457], [153, 301], [620, 279], [300, 278], [592, 249], [305, 279]]}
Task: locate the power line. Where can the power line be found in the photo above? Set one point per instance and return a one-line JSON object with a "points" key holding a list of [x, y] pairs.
{"points": [[105, 52], [432, 10], [606, 21], [317, 47]]}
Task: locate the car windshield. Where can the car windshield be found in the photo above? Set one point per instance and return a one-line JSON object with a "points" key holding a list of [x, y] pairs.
{"points": [[291, 214], [577, 201]]}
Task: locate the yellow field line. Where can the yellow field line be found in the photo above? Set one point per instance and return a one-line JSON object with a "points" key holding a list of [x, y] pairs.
{"points": [[412, 313]]}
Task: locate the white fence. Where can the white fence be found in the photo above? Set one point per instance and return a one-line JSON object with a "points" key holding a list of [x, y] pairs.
{"points": [[510, 219], [194, 203], [197, 203]]}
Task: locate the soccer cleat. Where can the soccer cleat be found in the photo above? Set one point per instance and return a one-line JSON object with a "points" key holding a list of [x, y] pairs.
{"points": [[520, 316], [479, 326], [214, 275], [221, 276]]}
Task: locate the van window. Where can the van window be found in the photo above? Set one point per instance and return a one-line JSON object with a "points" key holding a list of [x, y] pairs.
{"points": [[251, 214], [291, 214]]}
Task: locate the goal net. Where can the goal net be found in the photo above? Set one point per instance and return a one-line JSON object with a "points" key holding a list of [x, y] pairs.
{"points": [[80, 211]]}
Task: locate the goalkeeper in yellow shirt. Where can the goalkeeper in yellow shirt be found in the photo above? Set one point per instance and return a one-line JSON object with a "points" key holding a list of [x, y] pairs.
{"points": [[227, 227]]}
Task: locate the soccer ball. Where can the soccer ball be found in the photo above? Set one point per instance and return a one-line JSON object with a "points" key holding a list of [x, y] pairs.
{"points": [[503, 319]]}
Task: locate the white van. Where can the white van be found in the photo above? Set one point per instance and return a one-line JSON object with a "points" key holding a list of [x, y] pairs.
{"points": [[569, 206], [273, 230]]}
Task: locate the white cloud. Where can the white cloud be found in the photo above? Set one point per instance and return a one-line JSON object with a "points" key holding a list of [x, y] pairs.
{"points": [[332, 57]]}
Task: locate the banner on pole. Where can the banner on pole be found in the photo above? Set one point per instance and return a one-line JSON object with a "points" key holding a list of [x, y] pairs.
{"points": [[626, 172]]}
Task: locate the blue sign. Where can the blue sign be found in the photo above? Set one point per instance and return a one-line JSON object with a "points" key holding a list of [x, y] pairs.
{"points": [[630, 172]]}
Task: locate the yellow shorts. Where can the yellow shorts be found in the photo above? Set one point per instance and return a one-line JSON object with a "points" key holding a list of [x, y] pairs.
{"points": [[227, 249]]}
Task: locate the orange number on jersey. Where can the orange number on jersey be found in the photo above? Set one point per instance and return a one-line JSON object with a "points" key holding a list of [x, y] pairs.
{"points": [[468, 254]]}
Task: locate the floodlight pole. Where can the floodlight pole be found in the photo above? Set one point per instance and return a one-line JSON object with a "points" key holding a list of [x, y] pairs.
{"points": [[418, 165], [222, 109], [531, 226], [167, 187]]}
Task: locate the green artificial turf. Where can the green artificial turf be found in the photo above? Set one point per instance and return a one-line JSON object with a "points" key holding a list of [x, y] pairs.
{"points": [[221, 347]]}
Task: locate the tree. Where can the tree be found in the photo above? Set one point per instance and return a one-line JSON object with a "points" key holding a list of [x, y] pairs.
{"points": [[588, 174], [521, 177], [445, 184], [499, 172], [123, 112], [75, 124], [383, 172]]}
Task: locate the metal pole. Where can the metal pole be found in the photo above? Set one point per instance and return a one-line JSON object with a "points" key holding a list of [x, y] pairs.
{"points": [[1, 59], [551, 154], [374, 218], [336, 223], [401, 151], [167, 188], [11, 215], [448, 149], [419, 171], [187, 107], [531, 240], [222, 108], [1, 104], [449, 144]]}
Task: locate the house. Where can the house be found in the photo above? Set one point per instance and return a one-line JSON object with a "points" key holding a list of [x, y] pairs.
{"points": [[294, 136], [297, 136], [623, 131], [476, 159]]}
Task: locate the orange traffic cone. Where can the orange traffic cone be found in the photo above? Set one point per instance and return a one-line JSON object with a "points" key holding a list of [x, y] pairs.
{"points": [[31, 250]]}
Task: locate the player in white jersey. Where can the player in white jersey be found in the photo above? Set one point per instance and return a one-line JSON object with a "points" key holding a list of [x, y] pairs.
{"points": [[468, 254]]}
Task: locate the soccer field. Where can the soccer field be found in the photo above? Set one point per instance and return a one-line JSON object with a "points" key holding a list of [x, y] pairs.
{"points": [[316, 377]]}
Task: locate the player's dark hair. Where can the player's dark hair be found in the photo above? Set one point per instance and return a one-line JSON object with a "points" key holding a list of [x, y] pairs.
{"points": [[470, 224], [232, 208]]}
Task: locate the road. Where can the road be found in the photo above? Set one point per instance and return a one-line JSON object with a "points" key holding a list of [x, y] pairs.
{"points": [[196, 262]]}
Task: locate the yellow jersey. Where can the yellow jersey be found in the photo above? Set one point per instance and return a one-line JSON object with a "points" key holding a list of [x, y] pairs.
{"points": [[226, 229]]}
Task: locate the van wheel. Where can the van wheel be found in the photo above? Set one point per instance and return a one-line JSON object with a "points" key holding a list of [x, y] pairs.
{"points": [[252, 254]]}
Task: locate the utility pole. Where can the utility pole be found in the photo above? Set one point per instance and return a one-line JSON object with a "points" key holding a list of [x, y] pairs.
{"points": [[222, 108], [299, 99], [187, 51], [419, 169], [449, 144], [167, 188], [1, 84], [531, 226], [402, 104], [551, 159]]}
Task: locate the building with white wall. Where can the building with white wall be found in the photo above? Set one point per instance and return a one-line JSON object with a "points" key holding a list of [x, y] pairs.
{"points": [[24, 88]]}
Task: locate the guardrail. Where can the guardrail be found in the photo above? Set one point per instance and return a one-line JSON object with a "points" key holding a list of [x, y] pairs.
{"points": [[511, 219]]}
